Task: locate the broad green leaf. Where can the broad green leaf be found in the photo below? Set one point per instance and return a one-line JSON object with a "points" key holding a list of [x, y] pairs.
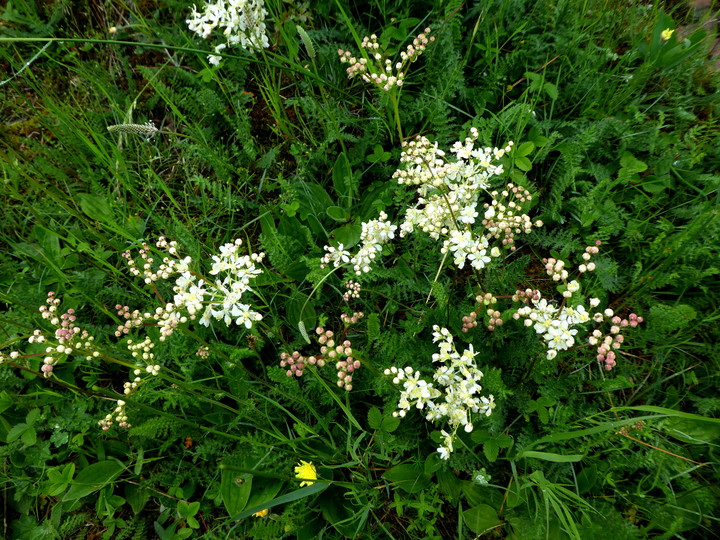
{"points": [[92, 478], [95, 207], [408, 477], [347, 235], [264, 489], [433, 463], [481, 518], [691, 431], [49, 242], [337, 213], [656, 184], [32, 416], [449, 484], [136, 497], [235, 490]]}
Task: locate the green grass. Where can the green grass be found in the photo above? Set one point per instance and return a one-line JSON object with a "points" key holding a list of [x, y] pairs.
{"points": [[615, 134]]}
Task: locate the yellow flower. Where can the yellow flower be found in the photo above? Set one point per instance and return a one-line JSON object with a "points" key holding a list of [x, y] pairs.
{"points": [[666, 34], [262, 513], [306, 472]]}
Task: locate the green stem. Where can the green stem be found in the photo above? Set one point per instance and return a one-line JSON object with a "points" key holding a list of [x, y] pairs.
{"points": [[396, 111]]}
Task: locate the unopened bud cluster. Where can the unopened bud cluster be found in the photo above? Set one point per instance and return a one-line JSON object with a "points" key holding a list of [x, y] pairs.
{"points": [[470, 322], [119, 415], [353, 290], [67, 338], [504, 218], [608, 343], [351, 319], [331, 350], [383, 72]]}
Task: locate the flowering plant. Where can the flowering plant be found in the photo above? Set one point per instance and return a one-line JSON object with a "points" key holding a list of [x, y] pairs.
{"points": [[242, 23]]}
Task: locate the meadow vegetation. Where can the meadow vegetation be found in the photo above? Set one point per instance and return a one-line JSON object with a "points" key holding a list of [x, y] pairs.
{"points": [[379, 270]]}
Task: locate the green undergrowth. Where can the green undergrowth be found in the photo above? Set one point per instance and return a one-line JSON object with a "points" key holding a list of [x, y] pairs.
{"points": [[615, 131]]}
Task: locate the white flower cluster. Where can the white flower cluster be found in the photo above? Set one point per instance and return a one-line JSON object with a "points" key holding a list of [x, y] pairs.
{"points": [[220, 300], [459, 376], [449, 194], [224, 301], [384, 74], [374, 234], [467, 247], [554, 324], [242, 23]]}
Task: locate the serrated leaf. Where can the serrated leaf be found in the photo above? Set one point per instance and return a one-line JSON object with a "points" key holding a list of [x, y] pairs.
{"points": [[374, 418], [306, 40], [504, 441], [491, 450], [631, 163], [29, 437], [480, 435], [523, 164], [551, 90], [525, 149], [373, 326], [390, 423]]}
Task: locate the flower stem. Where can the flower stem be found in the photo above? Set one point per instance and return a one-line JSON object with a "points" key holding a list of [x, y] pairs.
{"points": [[396, 111]]}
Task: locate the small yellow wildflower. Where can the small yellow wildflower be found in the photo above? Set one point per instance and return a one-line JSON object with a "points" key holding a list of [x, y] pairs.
{"points": [[262, 513], [306, 472], [666, 34]]}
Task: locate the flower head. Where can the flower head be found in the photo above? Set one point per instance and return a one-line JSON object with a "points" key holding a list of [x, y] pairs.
{"points": [[262, 513], [666, 34], [306, 472]]}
